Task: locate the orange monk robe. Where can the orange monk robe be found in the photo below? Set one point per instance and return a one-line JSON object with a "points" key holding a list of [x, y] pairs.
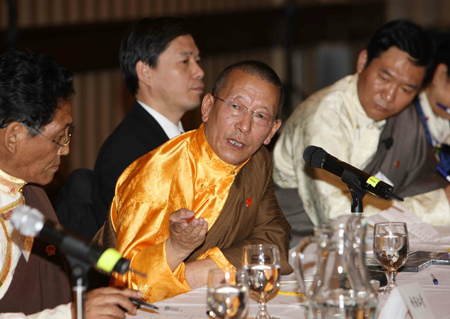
{"points": [[182, 173]]}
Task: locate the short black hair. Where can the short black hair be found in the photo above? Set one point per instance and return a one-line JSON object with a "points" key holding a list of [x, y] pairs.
{"points": [[406, 36], [31, 88], [145, 40], [442, 56], [256, 68]]}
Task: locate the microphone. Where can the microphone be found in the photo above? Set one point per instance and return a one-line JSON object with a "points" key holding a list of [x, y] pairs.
{"points": [[317, 157], [30, 222], [388, 142]]}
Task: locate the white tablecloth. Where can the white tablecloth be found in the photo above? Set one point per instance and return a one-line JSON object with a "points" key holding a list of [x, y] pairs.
{"points": [[193, 304], [283, 306]]}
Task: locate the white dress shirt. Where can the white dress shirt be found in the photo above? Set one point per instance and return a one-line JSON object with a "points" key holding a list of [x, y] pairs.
{"points": [[169, 127], [439, 127]]}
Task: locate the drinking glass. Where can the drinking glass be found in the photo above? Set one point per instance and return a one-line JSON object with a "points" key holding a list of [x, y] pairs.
{"points": [[390, 246], [262, 265], [227, 295]]}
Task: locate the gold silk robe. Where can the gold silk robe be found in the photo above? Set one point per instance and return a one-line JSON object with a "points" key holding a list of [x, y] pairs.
{"points": [[186, 173]]}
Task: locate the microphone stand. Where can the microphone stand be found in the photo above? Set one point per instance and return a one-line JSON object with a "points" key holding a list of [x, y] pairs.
{"points": [[79, 274], [356, 190]]}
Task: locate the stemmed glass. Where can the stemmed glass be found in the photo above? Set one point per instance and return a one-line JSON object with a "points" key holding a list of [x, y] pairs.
{"points": [[390, 246], [262, 265], [227, 295]]}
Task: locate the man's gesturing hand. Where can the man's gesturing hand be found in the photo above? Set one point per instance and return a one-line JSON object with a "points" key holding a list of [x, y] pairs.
{"points": [[184, 236]]}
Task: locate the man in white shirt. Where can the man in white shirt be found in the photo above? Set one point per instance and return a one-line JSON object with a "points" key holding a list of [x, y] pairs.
{"points": [[433, 105], [159, 60], [347, 118]]}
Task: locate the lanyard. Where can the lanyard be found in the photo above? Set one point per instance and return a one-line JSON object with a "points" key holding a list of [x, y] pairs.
{"points": [[424, 121]]}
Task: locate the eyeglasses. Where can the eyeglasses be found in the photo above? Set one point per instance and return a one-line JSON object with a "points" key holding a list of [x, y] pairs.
{"points": [[64, 140], [259, 118]]}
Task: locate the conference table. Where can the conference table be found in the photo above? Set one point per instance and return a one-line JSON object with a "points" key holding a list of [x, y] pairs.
{"points": [[288, 304]]}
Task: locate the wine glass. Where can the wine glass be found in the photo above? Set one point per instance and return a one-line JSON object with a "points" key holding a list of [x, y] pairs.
{"points": [[390, 246], [262, 265], [227, 295]]}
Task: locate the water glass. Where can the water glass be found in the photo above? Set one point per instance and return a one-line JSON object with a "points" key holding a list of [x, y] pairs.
{"points": [[227, 295]]}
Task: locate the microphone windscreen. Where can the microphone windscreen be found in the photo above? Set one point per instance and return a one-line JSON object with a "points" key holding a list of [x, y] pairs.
{"points": [[388, 142], [314, 156], [28, 221], [308, 153]]}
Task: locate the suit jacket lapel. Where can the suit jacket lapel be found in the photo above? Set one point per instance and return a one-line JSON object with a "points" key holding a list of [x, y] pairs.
{"points": [[140, 114]]}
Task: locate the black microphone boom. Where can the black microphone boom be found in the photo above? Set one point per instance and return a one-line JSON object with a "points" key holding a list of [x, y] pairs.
{"points": [[30, 222], [317, 157]]}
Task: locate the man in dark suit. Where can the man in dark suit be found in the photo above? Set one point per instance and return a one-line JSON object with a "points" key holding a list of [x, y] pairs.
{"points": [[159, 60]]}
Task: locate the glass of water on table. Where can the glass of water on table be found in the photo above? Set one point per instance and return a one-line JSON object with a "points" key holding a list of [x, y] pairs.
{"points": [[262, 266], [390, 246], [227, 295]]}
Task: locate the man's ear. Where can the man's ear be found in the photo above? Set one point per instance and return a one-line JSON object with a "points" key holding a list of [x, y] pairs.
{"points": [[362, 61], [273, 131], [207, 105], [143, 72], [11, 136], [440, 76]]}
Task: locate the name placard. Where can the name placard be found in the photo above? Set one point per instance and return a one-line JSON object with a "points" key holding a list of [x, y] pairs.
{"points": [[415, 300]]}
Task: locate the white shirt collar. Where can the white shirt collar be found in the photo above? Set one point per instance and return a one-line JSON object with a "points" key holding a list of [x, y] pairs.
{"points": [[169, 128], [23, 243], [439, 127]]}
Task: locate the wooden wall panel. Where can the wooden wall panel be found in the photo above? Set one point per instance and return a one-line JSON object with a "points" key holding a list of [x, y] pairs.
{"points": [[3, 14], [44, 13], [98, 108], [429, 13]]}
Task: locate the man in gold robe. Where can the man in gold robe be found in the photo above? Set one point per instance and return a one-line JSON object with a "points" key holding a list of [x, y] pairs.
{"points": [[190, 205]]}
